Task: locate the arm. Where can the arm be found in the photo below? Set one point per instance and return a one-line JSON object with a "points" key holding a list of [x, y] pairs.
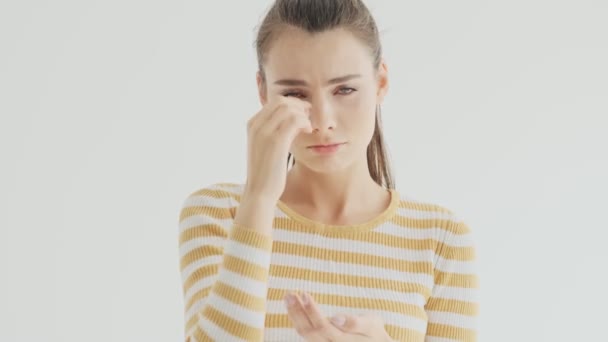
{"points": [[224, 270], [453, 308]]}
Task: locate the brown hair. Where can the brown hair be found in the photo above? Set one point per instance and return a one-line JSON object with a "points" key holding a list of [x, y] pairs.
{"points": [[317, 16]]}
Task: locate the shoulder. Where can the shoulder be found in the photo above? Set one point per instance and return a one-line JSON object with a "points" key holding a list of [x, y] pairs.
{"points": [[220, 190], [216, 197], [431, 214]]}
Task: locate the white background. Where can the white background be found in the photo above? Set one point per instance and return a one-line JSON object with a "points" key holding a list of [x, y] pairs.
{"points": [[113, 111]]}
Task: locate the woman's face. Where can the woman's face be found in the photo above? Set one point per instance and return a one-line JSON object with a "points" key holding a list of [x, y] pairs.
{"points": [[301, 65]]}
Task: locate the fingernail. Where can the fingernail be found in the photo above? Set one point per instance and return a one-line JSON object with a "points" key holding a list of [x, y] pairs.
{"points": [[338, 320]]}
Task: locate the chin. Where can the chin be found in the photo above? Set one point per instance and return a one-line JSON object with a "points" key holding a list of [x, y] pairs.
{"points": [[325, 165]]}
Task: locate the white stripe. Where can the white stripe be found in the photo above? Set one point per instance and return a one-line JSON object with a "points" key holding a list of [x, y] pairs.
{"points": [[195, 309], [458, 293], [282, 335], [200, 263], [250, 286], [424, 214], [239, 313], [207, 201], [190, 245], [451, 239], [247, 285], [248, 253], [233, 187], [317, 265], [199, 285], [280, 214], [455, 266], [452, 319], [200, 219], [344, 245], [437, 339], [216, 332], [289, 284], [190, 333]]}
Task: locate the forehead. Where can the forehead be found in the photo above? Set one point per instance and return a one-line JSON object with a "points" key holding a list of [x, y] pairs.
{"points": [[325, 54]]}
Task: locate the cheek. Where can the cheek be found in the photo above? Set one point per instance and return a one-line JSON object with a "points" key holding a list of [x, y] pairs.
{"points": [[361, 116]]}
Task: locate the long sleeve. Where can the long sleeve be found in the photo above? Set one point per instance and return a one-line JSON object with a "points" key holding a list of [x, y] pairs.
{"points": [[224, 270], [453, 306]]}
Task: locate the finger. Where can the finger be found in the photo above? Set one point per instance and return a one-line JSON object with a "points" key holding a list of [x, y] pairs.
{"points": [[297, 315], [291, 121], [319, 322], [289, 129], [366, 324], [269, 118]]}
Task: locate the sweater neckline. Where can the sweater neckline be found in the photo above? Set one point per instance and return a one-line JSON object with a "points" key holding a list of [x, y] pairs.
{"points": [[321, 227]]}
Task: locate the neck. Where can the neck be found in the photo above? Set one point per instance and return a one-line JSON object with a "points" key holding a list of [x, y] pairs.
{"points": [[334, 195]]}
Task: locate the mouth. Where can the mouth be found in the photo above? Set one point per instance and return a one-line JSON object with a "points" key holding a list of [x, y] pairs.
{"points": [[326, 149], [326, 146]]}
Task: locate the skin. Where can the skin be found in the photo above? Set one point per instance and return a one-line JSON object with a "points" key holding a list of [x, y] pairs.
{"points": [[335, 189], [312, 324]]}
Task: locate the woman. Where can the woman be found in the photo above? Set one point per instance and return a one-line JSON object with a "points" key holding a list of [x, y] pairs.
{"points": [[327, 249]]}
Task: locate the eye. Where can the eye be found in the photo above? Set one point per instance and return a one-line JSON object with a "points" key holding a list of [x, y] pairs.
{"points": [[292, 93], [349, 90]]}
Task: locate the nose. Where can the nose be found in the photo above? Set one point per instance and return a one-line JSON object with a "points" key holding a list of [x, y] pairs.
{"points": [[322, 116]]}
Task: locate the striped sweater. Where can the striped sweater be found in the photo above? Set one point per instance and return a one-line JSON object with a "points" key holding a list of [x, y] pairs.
{"points": [[414, 264]]}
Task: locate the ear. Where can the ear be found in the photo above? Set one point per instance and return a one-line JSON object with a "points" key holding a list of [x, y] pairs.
{"points": [[261, 88], [382, 78]]}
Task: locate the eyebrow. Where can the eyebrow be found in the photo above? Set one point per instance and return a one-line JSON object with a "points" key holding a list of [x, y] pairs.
{"points": [[292, 82]]}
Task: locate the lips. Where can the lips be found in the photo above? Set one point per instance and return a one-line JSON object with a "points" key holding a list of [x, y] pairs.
{"points": [[325, 145]]}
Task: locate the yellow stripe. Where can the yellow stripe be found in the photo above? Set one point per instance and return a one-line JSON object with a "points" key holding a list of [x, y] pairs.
{"points": [[198, 274], [251, 237], [403, 334], [200, 335], [456, 253], [456, 279], [296, 273], [454, 306], [204, 230], [209, 192], [191, 322], [199, 295], [289, 224], [462, 253], [214, 212], [358, 302], [245, 268], [231, 263], [422, 206], [199, 253], [414, 223], [232, 326], [239, 297], [448, 331]]}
